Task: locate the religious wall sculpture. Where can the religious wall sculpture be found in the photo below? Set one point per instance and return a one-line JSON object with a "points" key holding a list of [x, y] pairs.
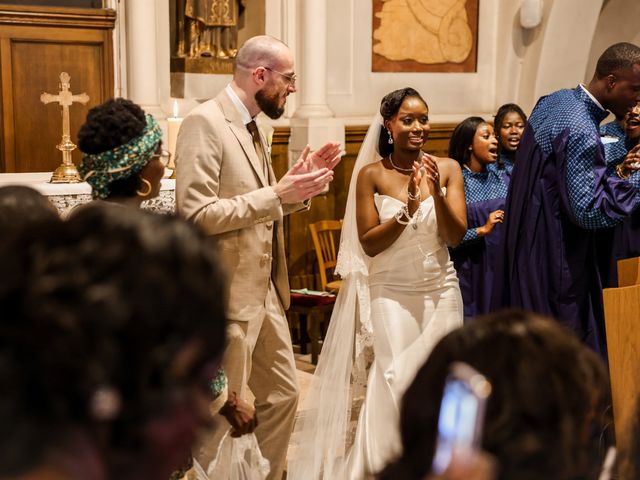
{"points": [[425, 35], [206, 34]]}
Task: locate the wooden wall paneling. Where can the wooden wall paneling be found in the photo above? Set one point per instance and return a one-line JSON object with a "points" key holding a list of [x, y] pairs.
{"points": [[36, 45], [439, 136], [7, 152]]}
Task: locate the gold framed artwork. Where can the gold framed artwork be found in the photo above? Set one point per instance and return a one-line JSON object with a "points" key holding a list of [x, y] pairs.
{"points": [[425, 36]]}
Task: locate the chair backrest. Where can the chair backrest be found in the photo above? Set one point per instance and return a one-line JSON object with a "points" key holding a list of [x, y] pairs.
{"points": [[325, 235]]}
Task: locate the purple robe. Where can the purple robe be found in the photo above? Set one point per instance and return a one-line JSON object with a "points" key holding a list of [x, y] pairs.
{"points": [[559, 196], [475, 257]]}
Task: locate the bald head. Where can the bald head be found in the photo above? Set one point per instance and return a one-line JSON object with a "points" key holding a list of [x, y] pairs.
{"points": [[263, 75], [262, 50]]}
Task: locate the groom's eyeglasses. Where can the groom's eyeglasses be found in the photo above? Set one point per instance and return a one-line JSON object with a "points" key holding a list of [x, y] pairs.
{"points": [[290, 78]]}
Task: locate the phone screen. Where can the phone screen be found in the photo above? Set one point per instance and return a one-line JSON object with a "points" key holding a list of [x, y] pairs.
{"points": [[460, 420]]}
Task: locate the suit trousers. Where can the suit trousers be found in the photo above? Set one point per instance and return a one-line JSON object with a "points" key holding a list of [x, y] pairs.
{"points": [[259, 362]]}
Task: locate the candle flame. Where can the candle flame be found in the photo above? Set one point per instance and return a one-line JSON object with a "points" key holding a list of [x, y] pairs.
{"points": [[175, 109]]}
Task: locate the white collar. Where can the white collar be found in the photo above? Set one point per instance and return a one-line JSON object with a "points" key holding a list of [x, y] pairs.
{"points": [[241, 107], [593, 98]]}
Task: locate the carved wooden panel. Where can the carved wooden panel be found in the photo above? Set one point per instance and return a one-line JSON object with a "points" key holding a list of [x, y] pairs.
{"points": [[301, 260], [36, 45], [425, 36]]}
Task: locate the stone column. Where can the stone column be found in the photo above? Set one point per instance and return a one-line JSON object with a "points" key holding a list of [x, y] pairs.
{"points": [[142, 53], [313, 55], [313, 122]]}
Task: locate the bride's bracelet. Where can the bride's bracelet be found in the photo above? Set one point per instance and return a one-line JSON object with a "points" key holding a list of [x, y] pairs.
{"points": [[403, 212], [413, 197]]}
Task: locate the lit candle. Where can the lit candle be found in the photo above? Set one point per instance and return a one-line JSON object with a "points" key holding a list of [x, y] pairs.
{"points": [[173, 127]]}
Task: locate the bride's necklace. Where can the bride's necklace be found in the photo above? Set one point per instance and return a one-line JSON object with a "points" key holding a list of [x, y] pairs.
{"points": [[400, 169]]}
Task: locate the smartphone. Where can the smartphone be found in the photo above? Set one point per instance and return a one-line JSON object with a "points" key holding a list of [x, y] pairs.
{"points": [[461, 415]]}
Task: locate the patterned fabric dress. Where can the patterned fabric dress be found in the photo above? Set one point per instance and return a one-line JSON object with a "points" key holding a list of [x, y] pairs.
{"points": [[503, 165], [560, 194], [474, 259]]}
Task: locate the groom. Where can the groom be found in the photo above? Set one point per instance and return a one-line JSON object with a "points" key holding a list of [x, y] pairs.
{"points": [[226, 186]]}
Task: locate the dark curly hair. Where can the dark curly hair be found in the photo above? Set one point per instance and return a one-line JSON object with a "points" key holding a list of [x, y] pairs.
{"points": [[21, 206], [108, 298], [547, 389], [389, 106], [462, 139], [108, 126]]}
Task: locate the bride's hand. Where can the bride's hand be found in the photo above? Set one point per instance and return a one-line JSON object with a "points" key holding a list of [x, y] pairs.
{"points": [[432, 173], [413, 188]]}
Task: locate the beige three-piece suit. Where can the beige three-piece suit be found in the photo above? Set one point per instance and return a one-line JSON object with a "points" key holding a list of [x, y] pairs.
{"points": [[224, 188]]}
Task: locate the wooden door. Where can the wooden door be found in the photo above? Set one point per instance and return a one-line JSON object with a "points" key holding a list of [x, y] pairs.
{"points": [[36, 45]]}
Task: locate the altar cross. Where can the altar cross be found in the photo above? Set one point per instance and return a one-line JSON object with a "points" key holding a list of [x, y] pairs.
{"points": [[65, 172]]}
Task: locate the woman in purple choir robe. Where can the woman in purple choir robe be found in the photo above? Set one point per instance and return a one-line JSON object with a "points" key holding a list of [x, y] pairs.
{"points": [[620, 138], [474, 145], [508, 124]]}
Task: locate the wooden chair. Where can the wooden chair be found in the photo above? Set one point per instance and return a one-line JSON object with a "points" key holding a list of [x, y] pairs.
{"points": [[325, 234], [312, 310]]}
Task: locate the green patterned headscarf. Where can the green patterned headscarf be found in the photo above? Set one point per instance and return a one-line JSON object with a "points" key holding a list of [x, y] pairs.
{"points": [[100, 169]]}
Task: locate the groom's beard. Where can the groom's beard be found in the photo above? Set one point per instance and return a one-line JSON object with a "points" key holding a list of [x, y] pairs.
{"points": [[269, 104]]}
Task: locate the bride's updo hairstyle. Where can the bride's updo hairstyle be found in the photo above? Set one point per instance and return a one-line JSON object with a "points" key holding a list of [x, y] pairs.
{"points": [[389, 106], [546, 410]]}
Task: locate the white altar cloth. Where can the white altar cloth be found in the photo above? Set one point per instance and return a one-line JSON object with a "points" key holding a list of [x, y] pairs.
{"points": [[67, 195]]}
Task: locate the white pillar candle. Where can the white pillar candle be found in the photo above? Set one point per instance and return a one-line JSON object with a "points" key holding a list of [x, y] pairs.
{"points": [[173, 127]]}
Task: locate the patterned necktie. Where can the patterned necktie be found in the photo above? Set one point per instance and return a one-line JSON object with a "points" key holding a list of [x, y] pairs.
{"points": [[257, 144]]}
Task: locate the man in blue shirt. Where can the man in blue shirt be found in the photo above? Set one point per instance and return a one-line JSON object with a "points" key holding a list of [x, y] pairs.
{"points": [[560, 194]]}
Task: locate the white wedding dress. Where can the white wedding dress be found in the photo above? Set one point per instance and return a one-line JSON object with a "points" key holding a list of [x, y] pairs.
{"points": [[399, 304], [415, 301]]}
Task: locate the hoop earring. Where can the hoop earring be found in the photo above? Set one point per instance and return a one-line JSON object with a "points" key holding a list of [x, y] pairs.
{"points": [[390, 137], [147, 184]]}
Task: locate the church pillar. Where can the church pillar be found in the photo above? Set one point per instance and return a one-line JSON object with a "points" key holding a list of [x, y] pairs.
{"points": [[313, 122], [142, 64], [313, 76]]}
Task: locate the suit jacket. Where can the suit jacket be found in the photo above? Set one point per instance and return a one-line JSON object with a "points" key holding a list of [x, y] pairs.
{"points": [[222, 188]]}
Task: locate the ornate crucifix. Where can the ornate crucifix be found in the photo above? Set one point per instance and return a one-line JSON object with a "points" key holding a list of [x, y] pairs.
{"points": [[67, 171]]}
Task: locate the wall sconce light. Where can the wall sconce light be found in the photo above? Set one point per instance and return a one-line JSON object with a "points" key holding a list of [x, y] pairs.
{"points": [[530, 13]]}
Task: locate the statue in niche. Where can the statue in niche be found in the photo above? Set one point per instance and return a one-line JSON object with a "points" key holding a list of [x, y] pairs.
{"points": [[209, 28], [440, 31]]}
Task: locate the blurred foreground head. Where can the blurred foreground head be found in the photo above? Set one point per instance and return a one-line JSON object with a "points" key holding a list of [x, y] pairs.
{"points": [[548, 393], [113, 325]]}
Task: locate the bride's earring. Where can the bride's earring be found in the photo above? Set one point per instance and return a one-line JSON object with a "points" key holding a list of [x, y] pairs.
{"points": [[147, 185], [390, 137]]}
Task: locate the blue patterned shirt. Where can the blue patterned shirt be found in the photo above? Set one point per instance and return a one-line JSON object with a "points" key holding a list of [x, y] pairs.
{"points": [[576, 111], [615, 144], [480, 187]]}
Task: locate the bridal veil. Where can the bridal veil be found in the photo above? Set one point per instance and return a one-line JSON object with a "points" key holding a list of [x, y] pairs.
{"points": [[322, 430]]}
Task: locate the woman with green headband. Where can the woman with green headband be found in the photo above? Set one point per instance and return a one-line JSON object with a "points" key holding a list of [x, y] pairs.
{"points": [[123, 160]]}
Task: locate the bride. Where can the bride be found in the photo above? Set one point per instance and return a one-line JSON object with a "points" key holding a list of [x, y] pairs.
{"points": [[399, 294]]}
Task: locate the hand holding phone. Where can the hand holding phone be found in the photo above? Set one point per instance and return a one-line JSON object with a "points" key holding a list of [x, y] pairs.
{"points": [[461, 417]]}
